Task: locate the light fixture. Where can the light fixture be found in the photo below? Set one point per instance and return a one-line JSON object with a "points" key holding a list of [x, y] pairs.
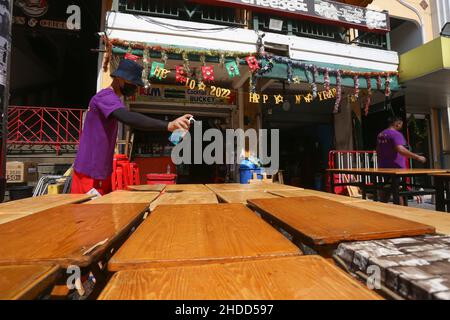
{"points": [[446, 30]]}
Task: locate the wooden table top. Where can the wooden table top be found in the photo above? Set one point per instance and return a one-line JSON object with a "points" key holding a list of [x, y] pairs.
{"points": [[319, 221], [118, 197], [184, 198], [65, 235], [26, 282], [148, 187], [5, 218], [37, 204], [187, 188], [439, 220], [250, 187], [200, 234], [243, 196], [314, 193], [288, 278], [384, 171]]}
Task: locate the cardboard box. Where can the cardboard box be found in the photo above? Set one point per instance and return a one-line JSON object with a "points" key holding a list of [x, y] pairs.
{"points": [[21, 172]]}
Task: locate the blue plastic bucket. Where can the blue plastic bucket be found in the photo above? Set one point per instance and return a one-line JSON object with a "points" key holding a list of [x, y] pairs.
{"points": [[246, 171]]}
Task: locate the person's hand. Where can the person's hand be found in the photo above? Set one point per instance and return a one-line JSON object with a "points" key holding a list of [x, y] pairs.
{"points": [[182, 123], [421, 159]]}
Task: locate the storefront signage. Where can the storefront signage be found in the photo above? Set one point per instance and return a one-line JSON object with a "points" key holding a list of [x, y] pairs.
{"points": [[320, 11], [182, 94], [48, 14]]}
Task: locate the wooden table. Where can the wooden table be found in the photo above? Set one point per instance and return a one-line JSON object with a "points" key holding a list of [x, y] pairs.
{"points": [[314, 193], [5, 218], [442, 183], [253, 187], [322, 224], [67, 235], [38, 204], [243, 196], [26, 282], [179, 235], [148, 188], [439, 220], [187, 188], [395, 178], [118, 197], [290, 278], [184, 198]]}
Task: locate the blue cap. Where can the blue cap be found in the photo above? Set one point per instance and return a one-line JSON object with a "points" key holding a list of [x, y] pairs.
{"points": [[131, 71]]}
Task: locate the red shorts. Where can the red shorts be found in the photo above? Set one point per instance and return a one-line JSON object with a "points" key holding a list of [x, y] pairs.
{"points": [[83, 184]]}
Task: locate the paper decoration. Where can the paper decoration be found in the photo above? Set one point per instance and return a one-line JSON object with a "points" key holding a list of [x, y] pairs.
{"points": [[232, 69], [181, 74], [252, 63], [156, 68], [337, 105], [369, 95], [130, 56], [356, 82], [208, 73]]}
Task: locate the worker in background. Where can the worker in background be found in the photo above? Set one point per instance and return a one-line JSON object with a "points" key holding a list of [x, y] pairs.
{"points": [[94, 161], [392, 152]]}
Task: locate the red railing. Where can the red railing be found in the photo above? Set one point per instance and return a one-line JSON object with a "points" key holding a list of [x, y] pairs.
{"points": [[42, 126]]}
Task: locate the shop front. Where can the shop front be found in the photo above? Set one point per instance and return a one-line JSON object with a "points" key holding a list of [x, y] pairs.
{"points": [[312, 90]]}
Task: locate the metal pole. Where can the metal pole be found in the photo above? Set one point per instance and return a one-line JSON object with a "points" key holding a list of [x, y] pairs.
{"points": [[6, 16]]}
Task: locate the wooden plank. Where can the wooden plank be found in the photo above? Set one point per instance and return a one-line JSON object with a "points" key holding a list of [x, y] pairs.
{"points": [[65, 235], [184, 198], [5, 218], [319, 221], [118, 197], [250, 187], [439, 220], [148, 188], [187, 188], [200, 234], [314, 193], [38, 204], [26, 282], [243, 196], [290, 278]]}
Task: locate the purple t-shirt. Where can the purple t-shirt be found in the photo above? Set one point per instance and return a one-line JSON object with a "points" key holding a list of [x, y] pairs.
{"points": [[388, 157], [98, 140]]}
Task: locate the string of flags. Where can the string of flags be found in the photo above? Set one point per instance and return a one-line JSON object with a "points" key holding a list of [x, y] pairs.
{"points": [[259, 64]]}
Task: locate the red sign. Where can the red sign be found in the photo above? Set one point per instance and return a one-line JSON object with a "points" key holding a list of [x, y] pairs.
{"points": [[327, 12]]}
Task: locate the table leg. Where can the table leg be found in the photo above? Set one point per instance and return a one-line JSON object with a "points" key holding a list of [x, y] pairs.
{"points": [[396, 189], [332, 187], [440, 196]]}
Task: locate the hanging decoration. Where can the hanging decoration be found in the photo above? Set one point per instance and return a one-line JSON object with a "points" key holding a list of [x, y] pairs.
{"points": [[369, 95], [208, 73], [356, 82], [146, 64], [379, 84], [181, 74], [157, 70], [388, 86], [232, 69], [130, 56], [326, 77], [164, 56], [337, 105], [252, 63], [186, 66], [222, 60]]}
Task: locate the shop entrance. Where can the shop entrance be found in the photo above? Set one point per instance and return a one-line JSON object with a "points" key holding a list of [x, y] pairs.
{"points": [[152, 150], [306, 137]]}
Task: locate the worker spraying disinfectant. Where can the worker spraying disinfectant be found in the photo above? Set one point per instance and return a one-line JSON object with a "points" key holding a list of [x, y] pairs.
{"points": [[94, 161]]}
